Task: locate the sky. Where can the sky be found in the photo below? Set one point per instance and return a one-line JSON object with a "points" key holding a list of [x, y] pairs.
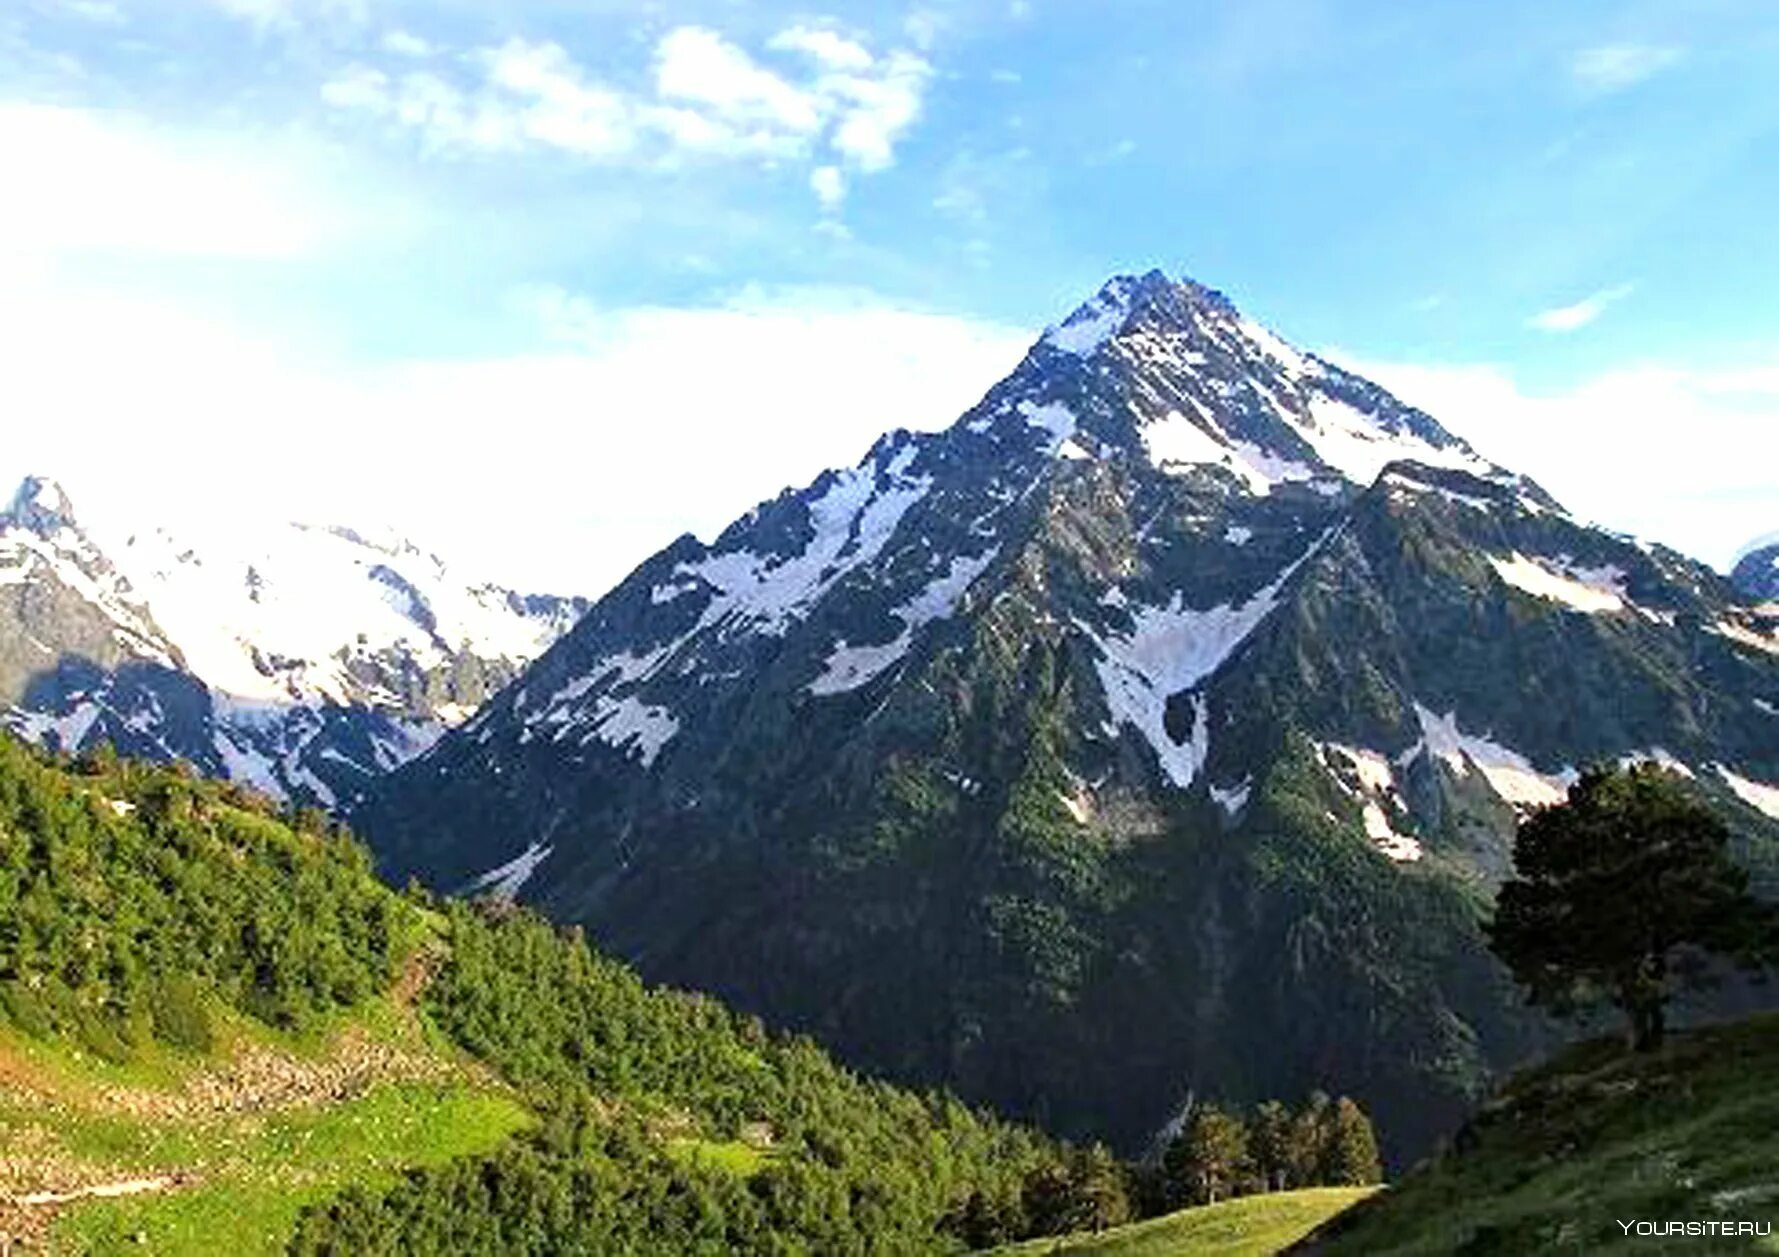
{"points": [[544, 284]]}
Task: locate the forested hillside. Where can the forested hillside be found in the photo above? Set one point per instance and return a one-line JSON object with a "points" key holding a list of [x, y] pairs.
{"points": [[162, 937]]}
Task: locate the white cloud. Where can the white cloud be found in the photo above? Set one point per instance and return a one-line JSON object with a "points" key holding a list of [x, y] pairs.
{"points": [[829, 185], [560, 467], [710, 98], [1570, 318], [407, 44], [90, 181], [698, 65], [875, 111], [832, 51], [557, 106], [1613, 67], [1670, 454]]}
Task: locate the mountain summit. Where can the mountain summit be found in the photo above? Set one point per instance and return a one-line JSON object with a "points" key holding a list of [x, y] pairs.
{"points": [[1155, 731]]}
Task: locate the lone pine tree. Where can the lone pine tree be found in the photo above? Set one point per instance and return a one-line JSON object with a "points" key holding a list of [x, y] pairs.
{"points": [[1623, 894]]}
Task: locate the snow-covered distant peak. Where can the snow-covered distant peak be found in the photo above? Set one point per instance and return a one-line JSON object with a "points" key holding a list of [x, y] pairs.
{"points": [[282, 612]]}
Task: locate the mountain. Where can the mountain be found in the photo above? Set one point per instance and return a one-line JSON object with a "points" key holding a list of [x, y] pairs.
{"points": [[1756, 574], [302, 661], [1157, 730]]}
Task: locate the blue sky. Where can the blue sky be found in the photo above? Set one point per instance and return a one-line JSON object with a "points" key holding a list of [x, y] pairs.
{"points": [[625, 268]]}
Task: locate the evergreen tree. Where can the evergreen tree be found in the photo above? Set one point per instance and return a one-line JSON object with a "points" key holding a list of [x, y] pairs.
{"points": [[1622, 893], [1100, 1190], [1269, 1144], [1209, 1159], [1306, 1140], [1349, 1148]]}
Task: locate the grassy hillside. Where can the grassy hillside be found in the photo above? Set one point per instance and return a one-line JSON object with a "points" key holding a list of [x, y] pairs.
{"points": [[1593, 1138], [1253, 1226], [219, 1032], [186, 1152]]}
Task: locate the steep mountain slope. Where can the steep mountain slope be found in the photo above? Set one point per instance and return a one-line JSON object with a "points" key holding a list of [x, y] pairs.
{"points": [[1157, 729], [302, 661]]}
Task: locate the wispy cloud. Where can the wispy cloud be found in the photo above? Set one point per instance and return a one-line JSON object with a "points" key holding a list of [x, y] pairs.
{"points": [[1614, 67], [407, 44], [1569, 318], [832, 101]]}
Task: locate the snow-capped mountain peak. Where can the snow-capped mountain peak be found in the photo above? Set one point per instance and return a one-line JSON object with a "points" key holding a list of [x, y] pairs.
{"points": [[1171, 371]]}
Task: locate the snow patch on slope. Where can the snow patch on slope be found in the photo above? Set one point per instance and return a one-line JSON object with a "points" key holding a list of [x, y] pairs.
{"points": [[505, 881], [851, 523], [1510, 774], [849, 667], [1274, 347], [1748, 637], [1356, 445], [1756, 794], [1233, 799], [1052, 417], [1594, 590], [629, 724], [1406, 485], [69, 730], [1658, 756], [1376, 779], [1169, 650], [1178, 441]]}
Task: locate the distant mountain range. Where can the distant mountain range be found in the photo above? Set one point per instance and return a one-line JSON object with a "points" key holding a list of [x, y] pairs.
{"points": [[1157, 730], [302, 661]]}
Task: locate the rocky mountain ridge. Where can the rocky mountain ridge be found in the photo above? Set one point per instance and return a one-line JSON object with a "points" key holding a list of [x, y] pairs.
{"points": [[299, 660]]}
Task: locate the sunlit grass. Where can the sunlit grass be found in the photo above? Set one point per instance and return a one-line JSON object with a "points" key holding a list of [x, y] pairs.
{"points": [[1252, 1226]]}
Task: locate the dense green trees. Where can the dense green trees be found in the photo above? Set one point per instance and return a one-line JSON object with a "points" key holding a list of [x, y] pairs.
{"points": [[1217, 1154], [1623, 893], [134, 900], [629, 1076]]}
